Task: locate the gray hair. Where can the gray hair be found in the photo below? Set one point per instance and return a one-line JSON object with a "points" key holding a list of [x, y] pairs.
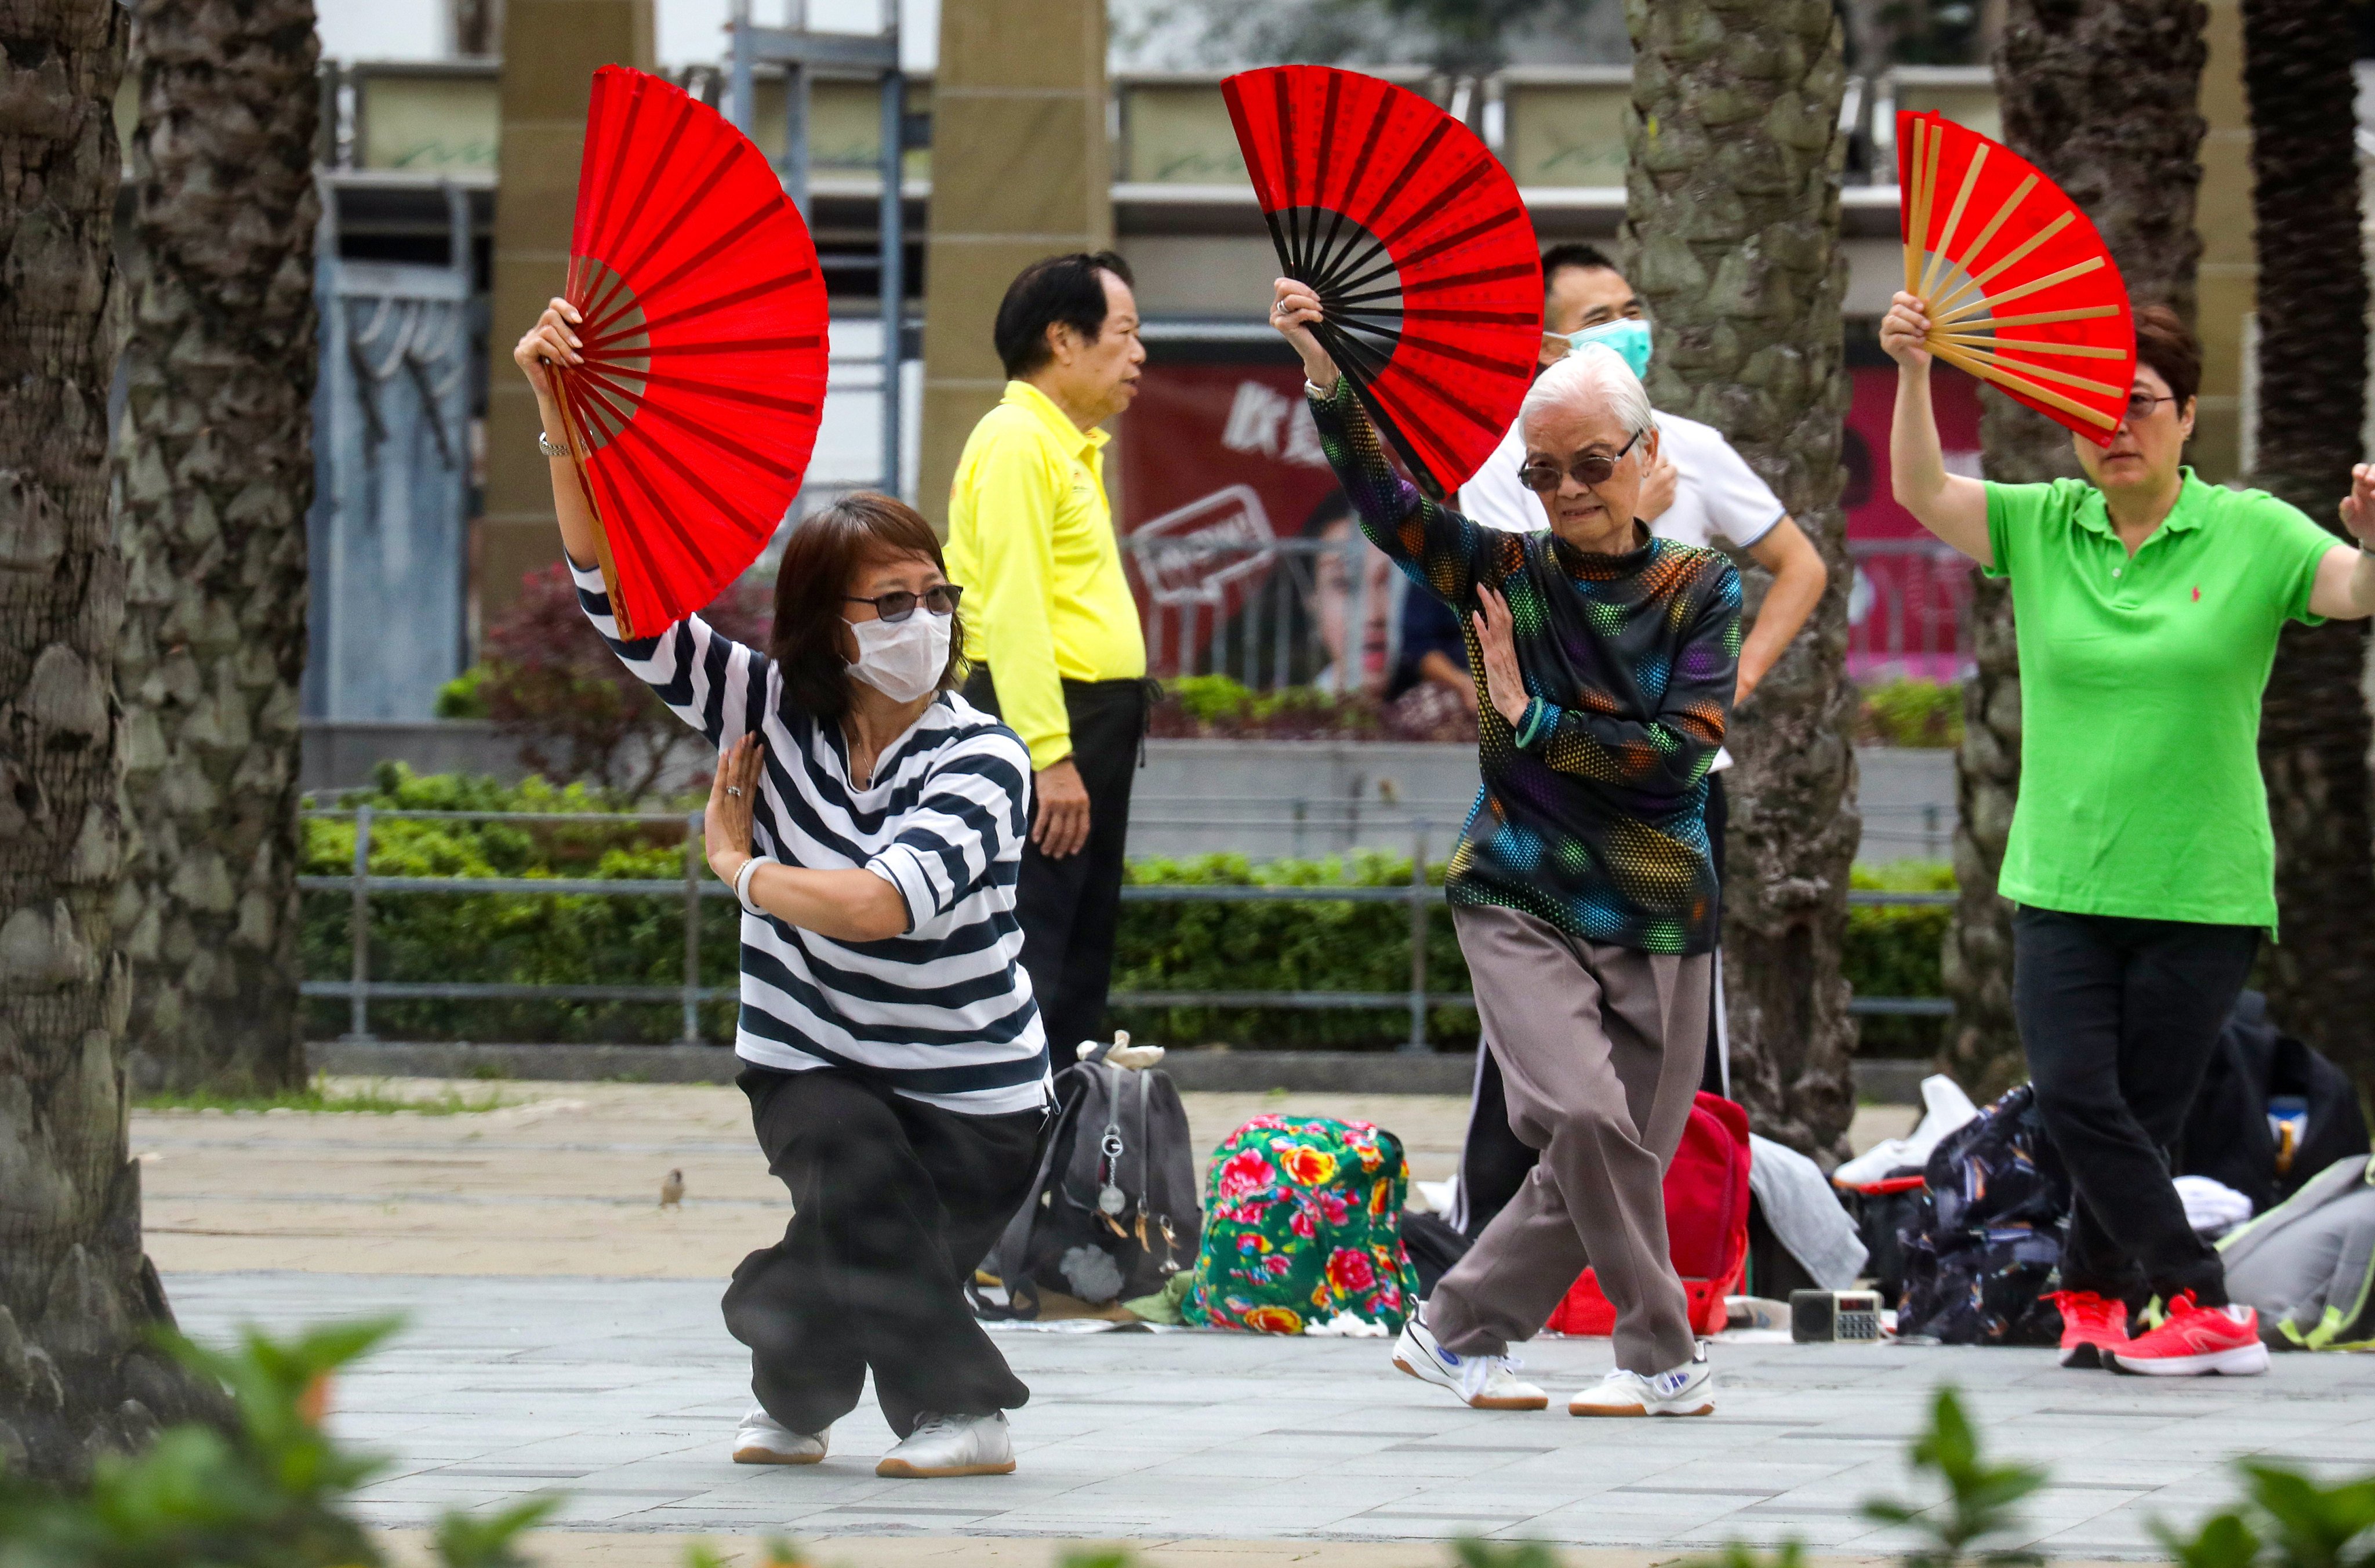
{"points": [[1595, 376]]}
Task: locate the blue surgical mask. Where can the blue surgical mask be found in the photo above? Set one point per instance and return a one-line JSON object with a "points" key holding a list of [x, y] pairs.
{"points": [[1628, 336]]}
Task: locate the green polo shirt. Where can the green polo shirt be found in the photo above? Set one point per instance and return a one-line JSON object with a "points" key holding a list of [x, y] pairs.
{"points": [[2140, 687]]}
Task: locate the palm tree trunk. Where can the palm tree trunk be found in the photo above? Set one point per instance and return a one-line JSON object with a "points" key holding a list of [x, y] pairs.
{"points": [[1732, 210], [218, 472], [76, 1293], [2100, 95], [2312, 359]]}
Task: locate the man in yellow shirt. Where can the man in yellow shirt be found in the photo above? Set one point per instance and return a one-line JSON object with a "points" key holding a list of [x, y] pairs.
{"points": [[1051, 627]]}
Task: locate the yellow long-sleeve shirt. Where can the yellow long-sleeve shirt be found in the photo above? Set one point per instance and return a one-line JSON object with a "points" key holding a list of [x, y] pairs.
{"points": [[1031, 540]]}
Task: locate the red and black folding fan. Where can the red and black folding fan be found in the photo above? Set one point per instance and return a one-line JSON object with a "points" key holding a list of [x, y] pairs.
{"points": [[694, 412], [1411, 234], [2009, 237]]}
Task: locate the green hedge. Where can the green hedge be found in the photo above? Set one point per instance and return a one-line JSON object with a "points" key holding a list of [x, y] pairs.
{"points": [[578, 938], [1892, 950]]}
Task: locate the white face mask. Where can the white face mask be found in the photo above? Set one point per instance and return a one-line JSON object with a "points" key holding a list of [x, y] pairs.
{"points": [[902, 659]]}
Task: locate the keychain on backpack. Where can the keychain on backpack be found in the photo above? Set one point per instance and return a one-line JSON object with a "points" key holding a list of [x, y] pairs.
{"points": [[1111, 1200]]}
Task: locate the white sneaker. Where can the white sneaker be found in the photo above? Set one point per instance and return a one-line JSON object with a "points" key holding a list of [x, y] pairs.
{"points": [[1483, 1383], [764, 1439], [952, 1446], [1687, 1390]]}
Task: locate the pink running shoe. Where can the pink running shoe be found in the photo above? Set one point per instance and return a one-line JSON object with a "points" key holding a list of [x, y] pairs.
{"points": [[2091, 1328], [2192, 1340]]}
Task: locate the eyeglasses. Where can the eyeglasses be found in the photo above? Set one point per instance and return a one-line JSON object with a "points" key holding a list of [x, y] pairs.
{"points": [[1586, 468], [2142, 404], [940, 599]]}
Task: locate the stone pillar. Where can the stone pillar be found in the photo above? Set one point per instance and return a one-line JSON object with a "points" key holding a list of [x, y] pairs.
{"points": [[1021, 170], [2228, 287], [551, 49]]}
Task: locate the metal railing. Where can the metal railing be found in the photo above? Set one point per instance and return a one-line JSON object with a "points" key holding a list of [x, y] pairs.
{"points": [[1223, 594], [1224, 597], [360, 989]]}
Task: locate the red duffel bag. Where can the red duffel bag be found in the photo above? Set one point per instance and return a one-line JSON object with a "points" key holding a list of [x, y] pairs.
{"points": [[1707, 1224]]}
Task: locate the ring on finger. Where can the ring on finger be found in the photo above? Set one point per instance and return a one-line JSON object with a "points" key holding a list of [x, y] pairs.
{"points": [[734, 790]]}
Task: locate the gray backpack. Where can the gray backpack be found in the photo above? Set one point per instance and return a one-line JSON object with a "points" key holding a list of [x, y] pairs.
{"points": [[2308, 1264], [1112, 1213]]}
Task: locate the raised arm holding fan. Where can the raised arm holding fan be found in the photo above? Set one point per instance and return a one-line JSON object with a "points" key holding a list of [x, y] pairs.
{"points": [[2147, 606], [868, 817]]}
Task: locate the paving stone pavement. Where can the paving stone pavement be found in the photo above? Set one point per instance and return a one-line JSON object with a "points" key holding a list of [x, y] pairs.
{"points": [[624, 1394]]}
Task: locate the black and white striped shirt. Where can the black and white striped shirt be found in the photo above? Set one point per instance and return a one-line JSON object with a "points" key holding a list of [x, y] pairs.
{"points": [[942, 1014]]}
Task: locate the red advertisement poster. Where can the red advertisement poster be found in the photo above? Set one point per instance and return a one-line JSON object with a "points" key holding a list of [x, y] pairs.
{"points": [[1235, 531]]}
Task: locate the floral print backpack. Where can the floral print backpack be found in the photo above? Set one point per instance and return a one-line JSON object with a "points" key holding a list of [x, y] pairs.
{"points": [[1303, 1223]]}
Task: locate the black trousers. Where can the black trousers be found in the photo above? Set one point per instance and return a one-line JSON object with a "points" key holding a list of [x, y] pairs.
{"points": [[1492, 1163], [1070, 909], [2118, 1018], [893, 1206]]}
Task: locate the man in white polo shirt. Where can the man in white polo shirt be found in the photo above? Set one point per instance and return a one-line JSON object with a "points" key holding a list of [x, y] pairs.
{"points": [[1702, 492]]}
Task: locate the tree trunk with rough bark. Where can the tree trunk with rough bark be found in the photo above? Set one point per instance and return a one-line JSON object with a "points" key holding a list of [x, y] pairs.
{"points": [[217, 474], [1732, 214], [75, 1291], [2313, 387], [2100, 95]]}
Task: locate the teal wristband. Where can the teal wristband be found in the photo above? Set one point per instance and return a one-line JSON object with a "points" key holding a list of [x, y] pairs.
{"points": [[1532, 721]]}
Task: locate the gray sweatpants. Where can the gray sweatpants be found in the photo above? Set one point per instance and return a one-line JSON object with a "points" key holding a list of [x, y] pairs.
{"points": [[1600, 1049]]}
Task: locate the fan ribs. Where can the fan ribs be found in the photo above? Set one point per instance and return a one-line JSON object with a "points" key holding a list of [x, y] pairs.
{"points": [[690, 452]]}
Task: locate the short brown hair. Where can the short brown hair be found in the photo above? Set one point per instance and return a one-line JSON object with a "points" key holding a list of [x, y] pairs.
{"points": [[2169, 346], [826, 550]]}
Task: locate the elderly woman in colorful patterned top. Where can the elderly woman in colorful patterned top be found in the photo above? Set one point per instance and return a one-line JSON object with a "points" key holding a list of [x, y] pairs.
{"points": [[1582, 887]]}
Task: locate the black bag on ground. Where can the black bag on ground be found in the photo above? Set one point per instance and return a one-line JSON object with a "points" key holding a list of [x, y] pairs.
{"points": [[1433, 1246], [1884, 1213], [1112, 1213], [1986, 1233], [2228, 1136]]}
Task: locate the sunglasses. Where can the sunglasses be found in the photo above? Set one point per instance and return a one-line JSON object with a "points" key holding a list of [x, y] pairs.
{"points": [[940, 599], [1588, 470]]}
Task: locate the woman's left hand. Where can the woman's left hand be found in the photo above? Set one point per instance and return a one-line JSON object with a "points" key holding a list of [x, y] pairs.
{"points": [[2358, 506], [1294, 307], [732, 791], [1496, 634]]}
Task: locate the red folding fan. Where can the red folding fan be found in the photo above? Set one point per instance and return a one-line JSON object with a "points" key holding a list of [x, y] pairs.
{"points": [[693, 414], [1411, 234], [2022, 290]]}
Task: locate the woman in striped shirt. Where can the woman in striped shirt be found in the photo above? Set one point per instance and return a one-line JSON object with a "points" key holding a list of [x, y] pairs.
{"points": [[871, 822]]}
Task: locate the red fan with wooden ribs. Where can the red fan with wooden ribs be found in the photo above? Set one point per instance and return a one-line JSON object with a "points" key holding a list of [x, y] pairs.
{"points": [[695, 409], [2021, 288], [1411, 234]]}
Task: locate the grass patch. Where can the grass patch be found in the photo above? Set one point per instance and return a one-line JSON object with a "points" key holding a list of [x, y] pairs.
{"points": [[370, 1099]]}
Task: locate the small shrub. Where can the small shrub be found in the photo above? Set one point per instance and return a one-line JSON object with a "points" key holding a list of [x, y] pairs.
{"points": [[1911, 713], [461, 698], [1214, 707], [271, 1490], [2288, 1520], [1981, 1501]]}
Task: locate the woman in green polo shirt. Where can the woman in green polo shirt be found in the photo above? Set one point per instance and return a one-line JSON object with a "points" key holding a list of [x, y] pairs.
{"points": [[2147, 604]]}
